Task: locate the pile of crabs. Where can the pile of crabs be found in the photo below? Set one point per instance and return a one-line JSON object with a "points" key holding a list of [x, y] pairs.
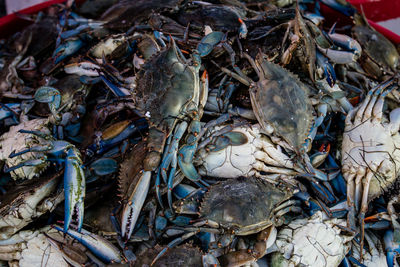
{"points": [[199, 133]]}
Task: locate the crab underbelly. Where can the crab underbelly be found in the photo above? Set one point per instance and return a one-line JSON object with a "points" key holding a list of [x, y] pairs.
{"points": [[373, 150], [229, 162]]}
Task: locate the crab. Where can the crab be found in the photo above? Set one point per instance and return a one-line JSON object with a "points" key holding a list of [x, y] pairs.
{"points": [[170, 90], [282, 106], [14, 140], [27, 149], [376, 61], [245, 151], [42, 247], [31, 248], [241, 207], [373, 254], [370, 150], [26, 202], [312, 241]]}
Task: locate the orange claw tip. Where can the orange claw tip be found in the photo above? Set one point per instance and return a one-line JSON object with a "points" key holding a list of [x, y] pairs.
{"points": [[185, 52], [355, 100], [374, 217], [325, 148], [240, 21], [204, 75]]}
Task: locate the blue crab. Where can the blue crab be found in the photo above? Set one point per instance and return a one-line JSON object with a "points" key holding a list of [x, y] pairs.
{"points": [[370, 154], [245, 151], [241, 207], [27, 150], [314, 241], [376, 61], [26, 202], [170, 92], [282, 106]]}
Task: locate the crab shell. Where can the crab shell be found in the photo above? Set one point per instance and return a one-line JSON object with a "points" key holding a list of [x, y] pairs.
{"points": [[280, 99], [168, 89], [244, 205], [372, 43], [13, 140], [42, 247], [166, 86], [249, 153], [114, 46], [311, 242], [26, 202]]}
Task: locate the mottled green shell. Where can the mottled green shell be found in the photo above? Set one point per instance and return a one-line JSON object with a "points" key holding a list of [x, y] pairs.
{"points": [[377, 47], [243, 205], [165, 86], [281, 100]]}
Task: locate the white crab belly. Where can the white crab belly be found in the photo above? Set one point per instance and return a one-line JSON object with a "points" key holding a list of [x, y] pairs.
{"points": [[370, 147], [232, 162], [14, 141], [312, 244], [39, 252]]}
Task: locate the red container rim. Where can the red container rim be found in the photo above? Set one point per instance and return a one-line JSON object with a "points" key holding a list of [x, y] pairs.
{"points": [[12, 22], [375, 11]]}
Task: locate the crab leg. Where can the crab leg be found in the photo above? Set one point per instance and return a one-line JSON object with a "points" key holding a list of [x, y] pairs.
{"points": [[32, 162], [392, 247], [186, 153], [173, 244]]}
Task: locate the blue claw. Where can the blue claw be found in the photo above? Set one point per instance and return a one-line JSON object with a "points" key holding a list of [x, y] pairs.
{"points": [[183, 190], [242, 29], [74, 189], [131, 210], [100, 247], [392, 245], [50, 95], [347, 10], [66, 49], [208, 43], [185, 158], [328, 69], [186, 153], [118, 91]]}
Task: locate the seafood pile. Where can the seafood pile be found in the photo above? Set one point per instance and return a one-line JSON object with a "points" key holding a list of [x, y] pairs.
{"points": [[199, 133]]}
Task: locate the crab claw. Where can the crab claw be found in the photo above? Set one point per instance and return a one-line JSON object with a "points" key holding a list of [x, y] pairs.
{"points": [[131, 210], [242, 29], [47, 94], [391, 245], [327, 68], [100, 247], [345, 9], [208, 43], [74, 189], [67, 49]]}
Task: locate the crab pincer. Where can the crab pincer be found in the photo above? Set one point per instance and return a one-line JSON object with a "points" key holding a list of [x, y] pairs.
{"points": [[74, 189]]}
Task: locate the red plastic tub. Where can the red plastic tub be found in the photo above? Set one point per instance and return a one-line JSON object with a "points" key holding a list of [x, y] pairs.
{"points": [[381, 10], [12, 23], [375, 11]]}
